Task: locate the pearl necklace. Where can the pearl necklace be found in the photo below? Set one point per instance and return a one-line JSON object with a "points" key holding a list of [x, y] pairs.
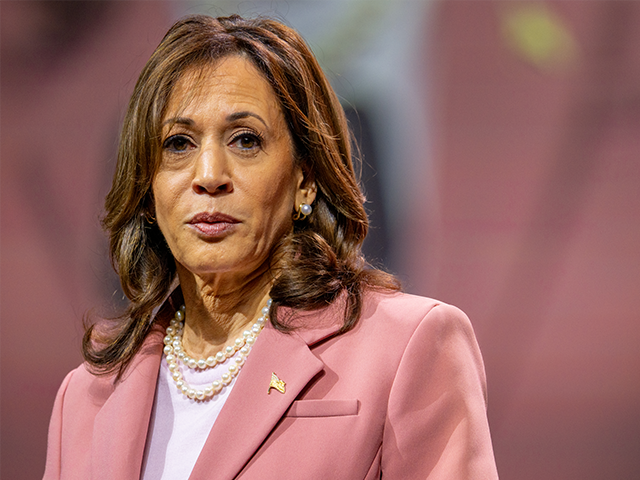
{"points": [[174, 352]]}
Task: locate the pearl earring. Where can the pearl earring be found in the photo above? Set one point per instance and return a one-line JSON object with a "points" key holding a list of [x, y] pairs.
{"points": [[303, 211]]}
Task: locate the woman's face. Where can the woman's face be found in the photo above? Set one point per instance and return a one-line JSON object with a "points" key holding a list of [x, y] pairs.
{"points": [[227, 184]]}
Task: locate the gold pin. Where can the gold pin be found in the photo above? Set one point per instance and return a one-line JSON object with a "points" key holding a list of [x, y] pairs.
{"points": [[276, 383]]}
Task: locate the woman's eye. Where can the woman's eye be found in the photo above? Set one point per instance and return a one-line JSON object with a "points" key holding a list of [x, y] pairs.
{"points": [[246, 141], [177, 143]]}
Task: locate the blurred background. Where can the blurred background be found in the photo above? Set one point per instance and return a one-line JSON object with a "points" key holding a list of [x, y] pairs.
{"points": [[501, 144]]}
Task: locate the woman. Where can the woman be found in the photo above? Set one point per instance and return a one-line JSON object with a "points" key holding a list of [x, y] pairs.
{"points": [[236, 224]]}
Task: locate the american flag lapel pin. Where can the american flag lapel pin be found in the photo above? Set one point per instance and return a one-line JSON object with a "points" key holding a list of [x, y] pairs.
{"points": [[276, 383]]}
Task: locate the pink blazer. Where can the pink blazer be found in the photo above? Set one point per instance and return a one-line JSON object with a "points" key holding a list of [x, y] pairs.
{"points": [[402, 396]]}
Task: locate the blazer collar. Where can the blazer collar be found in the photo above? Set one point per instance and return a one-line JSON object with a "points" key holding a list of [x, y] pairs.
{"points": [[252, 409], [120, 427], [250, 413]]}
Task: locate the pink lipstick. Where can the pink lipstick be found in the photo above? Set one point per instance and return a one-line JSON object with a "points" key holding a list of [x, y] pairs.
{"points": [[213, 225]]}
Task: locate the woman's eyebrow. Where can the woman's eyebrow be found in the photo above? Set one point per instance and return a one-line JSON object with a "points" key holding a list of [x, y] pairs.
{"points": [[244, 114], [230, 118], [179, 120]]}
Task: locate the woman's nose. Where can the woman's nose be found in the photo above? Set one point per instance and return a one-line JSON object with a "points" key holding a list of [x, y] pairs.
{"points": [[212, 175]]}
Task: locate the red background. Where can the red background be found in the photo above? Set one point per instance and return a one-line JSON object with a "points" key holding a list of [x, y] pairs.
{"points": [[534, 227]]}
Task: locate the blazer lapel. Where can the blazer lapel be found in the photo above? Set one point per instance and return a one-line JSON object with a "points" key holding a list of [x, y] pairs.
{"points": [[120, 428], [253, 409]]}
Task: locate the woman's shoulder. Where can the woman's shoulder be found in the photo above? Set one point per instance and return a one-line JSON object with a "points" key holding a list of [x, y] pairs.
{"points": [[87, 381], [406, 308], [402, 316], [82, 383]]}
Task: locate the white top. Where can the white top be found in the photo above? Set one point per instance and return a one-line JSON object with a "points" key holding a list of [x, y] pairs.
{"points": [[180, 426]]}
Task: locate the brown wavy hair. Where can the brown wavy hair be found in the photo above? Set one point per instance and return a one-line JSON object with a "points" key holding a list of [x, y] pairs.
{"points": [[317, 262]]}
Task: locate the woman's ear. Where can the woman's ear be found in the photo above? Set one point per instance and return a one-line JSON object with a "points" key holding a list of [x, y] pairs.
{"points": [[307, 188], [306, 191], [149, 209]]}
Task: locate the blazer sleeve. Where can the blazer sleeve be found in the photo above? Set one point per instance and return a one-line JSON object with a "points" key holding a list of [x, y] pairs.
{"points": [[436, 426], [54, 442]]}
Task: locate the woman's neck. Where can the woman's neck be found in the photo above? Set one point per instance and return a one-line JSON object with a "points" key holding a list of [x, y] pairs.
{"points": [[217, 312]]}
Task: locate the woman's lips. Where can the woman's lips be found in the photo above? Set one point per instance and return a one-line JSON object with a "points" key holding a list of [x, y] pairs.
{"points": [[213, 225]]}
